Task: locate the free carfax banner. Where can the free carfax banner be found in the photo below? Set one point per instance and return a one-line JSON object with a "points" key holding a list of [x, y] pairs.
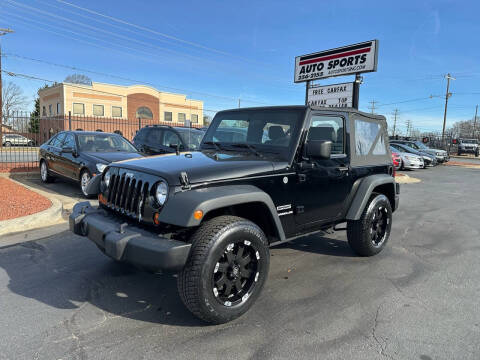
{"points": [[352, 59]]}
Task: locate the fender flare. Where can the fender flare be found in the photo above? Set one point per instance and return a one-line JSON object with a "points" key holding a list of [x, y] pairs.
{"points": [[364, 191], [179, 208]]}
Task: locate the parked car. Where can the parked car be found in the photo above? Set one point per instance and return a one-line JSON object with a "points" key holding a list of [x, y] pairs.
{"points": [[16, 140], [80, 155], [428, 159], [441, 155], [164, 139], [468, 146], [397, 160], [409, 161], [211, 215]]}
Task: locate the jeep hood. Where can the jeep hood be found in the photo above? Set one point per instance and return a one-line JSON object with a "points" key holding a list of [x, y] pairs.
{"points": [[201, 167]]}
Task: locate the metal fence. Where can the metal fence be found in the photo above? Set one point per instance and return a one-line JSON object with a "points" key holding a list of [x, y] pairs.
{"points": [[22, 133]]}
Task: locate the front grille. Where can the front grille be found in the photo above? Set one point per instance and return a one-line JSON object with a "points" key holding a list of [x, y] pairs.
{"points": [[127, 195]]}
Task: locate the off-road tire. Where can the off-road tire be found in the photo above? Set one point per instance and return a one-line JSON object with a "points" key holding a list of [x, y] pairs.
{"points": [[47, 178], [209, 243], [359, 232]]}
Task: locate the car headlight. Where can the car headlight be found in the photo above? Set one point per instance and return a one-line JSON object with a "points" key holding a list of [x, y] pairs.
{"points": [[161, 192], [101, 167], [106, 178]]}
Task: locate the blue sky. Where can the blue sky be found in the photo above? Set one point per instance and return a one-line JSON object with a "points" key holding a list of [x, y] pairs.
{"points": [[219, 51]]}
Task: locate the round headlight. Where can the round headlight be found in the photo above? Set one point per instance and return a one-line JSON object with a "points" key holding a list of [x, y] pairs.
{"points": [[106, 178], [161, 192]]}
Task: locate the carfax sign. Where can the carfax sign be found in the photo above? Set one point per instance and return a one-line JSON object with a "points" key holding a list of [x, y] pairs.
{"points": [[352, 59], [336, 95]]}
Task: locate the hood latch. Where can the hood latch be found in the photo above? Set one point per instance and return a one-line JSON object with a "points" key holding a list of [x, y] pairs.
{"points": [[184, 180]]}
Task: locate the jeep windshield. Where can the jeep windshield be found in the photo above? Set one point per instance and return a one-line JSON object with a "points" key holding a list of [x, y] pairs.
{"points": [[255, 131]]}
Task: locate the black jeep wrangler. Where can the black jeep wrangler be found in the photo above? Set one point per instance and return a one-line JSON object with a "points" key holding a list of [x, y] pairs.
{"points": [[262, 176]]}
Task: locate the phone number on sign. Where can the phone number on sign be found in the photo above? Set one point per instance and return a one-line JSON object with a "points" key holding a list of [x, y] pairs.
{"points": [[310, 76]]}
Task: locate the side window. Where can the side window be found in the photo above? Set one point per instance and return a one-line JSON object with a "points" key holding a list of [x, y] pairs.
{"points": [[170, 138], [69, 141], [154, 136], [366, 134], [57, 142], [50, 142], [329, 128]]}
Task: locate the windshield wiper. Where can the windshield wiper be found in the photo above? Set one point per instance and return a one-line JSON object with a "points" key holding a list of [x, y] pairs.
{"points": [[247, 146], [214, 143]]}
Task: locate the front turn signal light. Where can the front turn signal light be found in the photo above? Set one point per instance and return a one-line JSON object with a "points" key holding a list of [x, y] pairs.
{"points": [[198, 215], [102, 199], [155, 219]]}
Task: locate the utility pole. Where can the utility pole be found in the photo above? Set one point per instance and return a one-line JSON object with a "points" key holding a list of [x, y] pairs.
{"points": [[475, 121], [395, 121], [447, 95], [409, 127], [2, 32], [373, 102], [239, 103]]}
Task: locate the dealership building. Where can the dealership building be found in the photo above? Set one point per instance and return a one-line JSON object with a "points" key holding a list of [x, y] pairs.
{"points": [[110, 107]]}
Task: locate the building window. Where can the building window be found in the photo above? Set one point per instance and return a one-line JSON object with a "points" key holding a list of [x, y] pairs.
{"points": [[78, 109], [116, 111], [44, 111], [168, 116], [50, 110], [58, 108], [181, 117], [98, 110], [144, 112], [194, 118]]}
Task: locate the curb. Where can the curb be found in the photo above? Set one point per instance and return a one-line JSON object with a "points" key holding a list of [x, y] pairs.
{"points": [[48, 217]]}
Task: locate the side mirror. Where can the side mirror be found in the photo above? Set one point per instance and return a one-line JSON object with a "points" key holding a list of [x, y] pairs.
{"points": [[319, 149], [68, 150]]}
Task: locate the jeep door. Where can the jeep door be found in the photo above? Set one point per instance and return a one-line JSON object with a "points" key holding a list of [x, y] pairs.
{"points": [[323, 184]]}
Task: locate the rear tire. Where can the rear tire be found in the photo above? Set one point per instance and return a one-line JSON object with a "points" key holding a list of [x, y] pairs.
{"points": [[368, 235], [7, 144], [226, 269]]}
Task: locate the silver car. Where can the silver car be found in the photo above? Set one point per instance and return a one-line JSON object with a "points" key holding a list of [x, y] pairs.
{"points": [[16, 140], [410, 161]]}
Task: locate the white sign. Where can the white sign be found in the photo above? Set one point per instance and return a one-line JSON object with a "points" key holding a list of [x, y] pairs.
{"points": [[352, 59], [336, 95]]}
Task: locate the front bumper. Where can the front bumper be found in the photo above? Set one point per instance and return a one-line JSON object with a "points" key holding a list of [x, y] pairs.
{"points": [[128, 243]]}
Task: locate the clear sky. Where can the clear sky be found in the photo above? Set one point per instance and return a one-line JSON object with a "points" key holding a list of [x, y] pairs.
{"points": [[219, 51]]}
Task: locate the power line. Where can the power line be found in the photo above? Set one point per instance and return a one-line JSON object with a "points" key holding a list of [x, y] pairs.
{"points": [[191, 43], [410, 100], [373, 102], [134, 50], [31, 77], [131, 80]]}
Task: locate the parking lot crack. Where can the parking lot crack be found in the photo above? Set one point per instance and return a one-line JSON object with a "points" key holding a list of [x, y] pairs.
{"points": [[381, 342]]}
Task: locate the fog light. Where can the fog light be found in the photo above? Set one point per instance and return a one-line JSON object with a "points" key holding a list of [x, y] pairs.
{"points": [[155, 219], [198, 215]]}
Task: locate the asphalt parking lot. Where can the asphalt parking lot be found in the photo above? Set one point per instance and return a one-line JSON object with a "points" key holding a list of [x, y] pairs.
{"points": [[62, 299]]}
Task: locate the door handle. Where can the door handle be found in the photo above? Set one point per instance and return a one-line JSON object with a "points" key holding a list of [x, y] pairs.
{"points": [[343, 168]]}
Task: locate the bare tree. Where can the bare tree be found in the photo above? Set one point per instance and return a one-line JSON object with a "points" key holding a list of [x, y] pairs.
{"points": [[78, 79], [12, 99]]}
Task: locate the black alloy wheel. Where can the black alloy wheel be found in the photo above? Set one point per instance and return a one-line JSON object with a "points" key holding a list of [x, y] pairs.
{"points": [[379, 224], [236, 273]]}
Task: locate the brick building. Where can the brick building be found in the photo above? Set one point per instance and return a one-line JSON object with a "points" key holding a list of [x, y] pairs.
{"points": [[109, 107]]}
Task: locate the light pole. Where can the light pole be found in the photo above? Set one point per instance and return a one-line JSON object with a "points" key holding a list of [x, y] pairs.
{"points": [[2, 32]]}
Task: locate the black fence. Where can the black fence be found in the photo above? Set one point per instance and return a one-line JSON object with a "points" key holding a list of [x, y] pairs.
{"points": [[22, 133]]}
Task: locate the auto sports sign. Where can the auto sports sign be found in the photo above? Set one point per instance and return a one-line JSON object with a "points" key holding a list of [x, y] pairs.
{"points": [[337, 95], [352, 59]]}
